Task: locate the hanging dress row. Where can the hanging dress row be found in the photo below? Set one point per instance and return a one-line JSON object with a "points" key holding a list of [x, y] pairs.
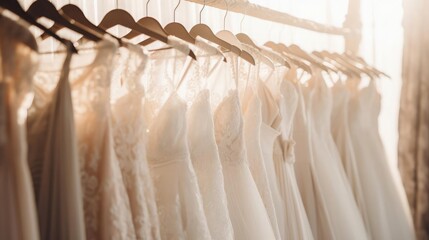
{"points": [[118, 142]]}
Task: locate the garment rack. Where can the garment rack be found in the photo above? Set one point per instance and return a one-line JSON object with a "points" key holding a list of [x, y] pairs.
{"points": [[264, 13]]}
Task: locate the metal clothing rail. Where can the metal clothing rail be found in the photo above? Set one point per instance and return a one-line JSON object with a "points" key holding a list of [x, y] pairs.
{"points": [[254, 10]]}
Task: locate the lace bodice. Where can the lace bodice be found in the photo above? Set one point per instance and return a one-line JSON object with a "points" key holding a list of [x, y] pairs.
{"points": [[208, 168], [180, 206], [106, 204], [166, 134], [228, 129]]}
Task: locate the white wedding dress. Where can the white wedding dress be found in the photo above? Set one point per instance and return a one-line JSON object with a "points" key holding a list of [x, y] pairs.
{"points": [[343, 140], [297, 225], [129, 130], [341, 208], [18, 217], [208, 168], [180, 205], [387, 208], [246, 209]]}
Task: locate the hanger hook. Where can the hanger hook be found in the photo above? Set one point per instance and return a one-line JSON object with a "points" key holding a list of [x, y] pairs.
{"points": [[241, 22], [117, 4], [201, 11], [174, 12], [226, 13], [147, 7]]}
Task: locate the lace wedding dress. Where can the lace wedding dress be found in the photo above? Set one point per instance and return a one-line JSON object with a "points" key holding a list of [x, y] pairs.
{"points": [[246, 209], [387, 208], [341, 208], [130, 142], [18, 217], [178, 197], [106, 205], [180, 207], [206, 162]]}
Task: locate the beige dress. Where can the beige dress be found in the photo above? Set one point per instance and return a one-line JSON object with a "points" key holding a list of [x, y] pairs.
{"points": [[18, 219], [52, 151], [106, 205]]}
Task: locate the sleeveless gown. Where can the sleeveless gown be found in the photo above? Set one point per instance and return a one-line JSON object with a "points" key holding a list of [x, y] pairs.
{"points": [[107, 210], [18, 218], [246, 209], [129, 131], [179, 202], [297, 225], [385, 198], [341, 208], [208, 168]]}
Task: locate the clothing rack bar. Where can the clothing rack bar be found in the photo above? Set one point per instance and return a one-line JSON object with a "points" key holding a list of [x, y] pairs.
{"points": [[264, 13]]}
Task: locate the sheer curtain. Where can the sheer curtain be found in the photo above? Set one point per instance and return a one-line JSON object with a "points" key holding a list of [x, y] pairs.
{"points": [[381, 40]]}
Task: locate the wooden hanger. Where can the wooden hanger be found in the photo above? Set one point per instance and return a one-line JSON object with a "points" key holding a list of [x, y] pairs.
{"points": [[174, 28], [281, 49], [44, 8], [121, 17], [230, 38], [297, 51], [15, 7], [363, 62], [74, 13], [205, 32], [340, 66], [275, 57]]}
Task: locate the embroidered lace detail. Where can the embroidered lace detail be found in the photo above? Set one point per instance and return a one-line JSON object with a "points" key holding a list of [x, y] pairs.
{"points": [[228, 130], [178, 198], [106, 205]]}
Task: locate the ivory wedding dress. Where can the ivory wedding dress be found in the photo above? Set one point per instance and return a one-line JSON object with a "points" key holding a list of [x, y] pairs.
{"points": [[106, 205], [297, 225], [180, 205], [305, 170], [18, 217], [130, 143], [343, 140], [388, 212], [246, 209], [206, 162], [341, 208]]}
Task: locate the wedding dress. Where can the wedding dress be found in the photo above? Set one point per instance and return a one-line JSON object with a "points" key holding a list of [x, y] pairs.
{"points": [[206, 162], [256, 141], [305, 170], [387, 208], [343, 140], [52, 151], [341, 208], [246, 209], [18, 217], [297, 225], [130, 143], [252, 119], [202, 142], [180, 208], [179, 201], [106, 205]]}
